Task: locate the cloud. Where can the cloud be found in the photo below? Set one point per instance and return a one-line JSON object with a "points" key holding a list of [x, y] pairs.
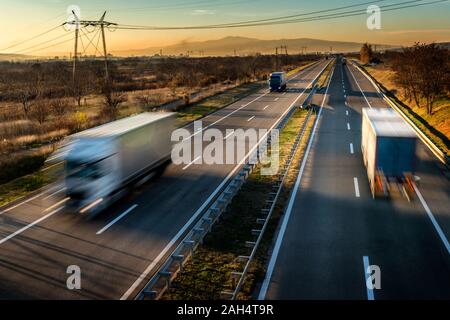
{"points": [[201, 12]]}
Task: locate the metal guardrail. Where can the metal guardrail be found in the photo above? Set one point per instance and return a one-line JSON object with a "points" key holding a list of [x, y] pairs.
{"points": [[175, 262], [425, 139], [266, 214]]}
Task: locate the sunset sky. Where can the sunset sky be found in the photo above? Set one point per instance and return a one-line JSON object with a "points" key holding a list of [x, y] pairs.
{"points": [[22, 19]]}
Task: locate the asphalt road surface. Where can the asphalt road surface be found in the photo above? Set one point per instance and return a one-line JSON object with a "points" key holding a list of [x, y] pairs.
{"points": [[335, 229], [119, 249]]}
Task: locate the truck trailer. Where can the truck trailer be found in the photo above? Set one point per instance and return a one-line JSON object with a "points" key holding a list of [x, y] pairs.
{"points": [[106, 161], [278, 81], [389, 151]]}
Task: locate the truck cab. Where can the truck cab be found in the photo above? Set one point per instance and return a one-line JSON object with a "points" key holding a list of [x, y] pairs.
{"points": [[90, 175], [277, 81]]}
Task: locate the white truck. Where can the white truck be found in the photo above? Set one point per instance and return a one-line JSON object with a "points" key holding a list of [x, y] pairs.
{"points": [[389, 151], [104, 162]]}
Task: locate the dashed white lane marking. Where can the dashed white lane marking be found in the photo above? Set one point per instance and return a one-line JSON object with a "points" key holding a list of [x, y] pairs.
{"points": [[54, 193], [228, 135], [355, 182], [57, 204], [250, 119], [12, 235], [276, 99], [370, 295], [346, 112], [189, 164], [348, 126], [109, 225], [351, 148], [266, 107]]}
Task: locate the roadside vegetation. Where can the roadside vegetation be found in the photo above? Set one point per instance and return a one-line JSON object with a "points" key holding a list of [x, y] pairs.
{"points": [[40, 105], [418, 80]]}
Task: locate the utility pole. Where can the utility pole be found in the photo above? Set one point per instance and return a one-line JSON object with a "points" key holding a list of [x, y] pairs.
{"points": [[93, 23], [75, 54], [276, 58], [102, 26]]}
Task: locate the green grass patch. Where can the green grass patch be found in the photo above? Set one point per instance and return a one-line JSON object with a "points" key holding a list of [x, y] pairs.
{"points": [[20, 187]]}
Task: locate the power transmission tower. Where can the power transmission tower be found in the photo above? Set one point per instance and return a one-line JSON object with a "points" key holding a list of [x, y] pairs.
{"points": [[93, 23], [276, 58]]}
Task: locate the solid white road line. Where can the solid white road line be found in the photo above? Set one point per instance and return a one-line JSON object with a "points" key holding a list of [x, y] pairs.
{"points": [[351, 149], [12, 235], [266, 107], [250, 119], [370, 295], [356, 81], [355, 182], [276, 250], [21, 203], [190, 163], [433, 220], [348, 126], [155, 262], [117, 219]]}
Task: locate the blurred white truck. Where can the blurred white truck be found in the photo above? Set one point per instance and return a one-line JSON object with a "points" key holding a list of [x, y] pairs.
{"points": [[104, 162], [389, 150]]}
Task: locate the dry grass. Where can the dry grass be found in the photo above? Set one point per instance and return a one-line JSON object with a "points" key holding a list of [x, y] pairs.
{"points": [[439, 120]]}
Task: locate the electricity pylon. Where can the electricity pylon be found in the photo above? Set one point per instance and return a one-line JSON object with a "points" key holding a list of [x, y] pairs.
{"points": [[93, 23]]}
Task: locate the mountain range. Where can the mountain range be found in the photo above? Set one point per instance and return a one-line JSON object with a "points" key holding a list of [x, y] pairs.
{"points": [[245, 46]]}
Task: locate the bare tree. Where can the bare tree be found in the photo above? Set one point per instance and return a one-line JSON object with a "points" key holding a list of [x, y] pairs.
{"points": [[60, 107], [366, 53], [112, 100], [423, 72], [40, 111]]}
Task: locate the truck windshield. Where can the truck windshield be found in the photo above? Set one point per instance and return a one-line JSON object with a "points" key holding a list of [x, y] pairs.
{"points": [[275, 79], [83, 170]]}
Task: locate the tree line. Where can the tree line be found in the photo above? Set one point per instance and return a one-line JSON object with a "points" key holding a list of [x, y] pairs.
{"points": [[421, 71]]}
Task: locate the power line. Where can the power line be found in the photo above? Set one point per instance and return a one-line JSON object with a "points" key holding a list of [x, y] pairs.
{"points": [[40, 44], [32, 38], [181, 5], [282, 20]]}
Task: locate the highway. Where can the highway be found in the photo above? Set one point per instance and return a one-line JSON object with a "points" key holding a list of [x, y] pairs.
{"points": [[333, 229], [121, 248]]}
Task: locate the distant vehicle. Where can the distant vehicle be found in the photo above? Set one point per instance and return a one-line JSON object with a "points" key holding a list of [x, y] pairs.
{"points": [[278, 81], [106, 161], [389, 151], [344, 62]]}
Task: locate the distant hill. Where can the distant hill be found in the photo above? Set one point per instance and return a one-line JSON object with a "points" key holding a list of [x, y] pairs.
{"points": [[243, 46], [14, 57]]}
